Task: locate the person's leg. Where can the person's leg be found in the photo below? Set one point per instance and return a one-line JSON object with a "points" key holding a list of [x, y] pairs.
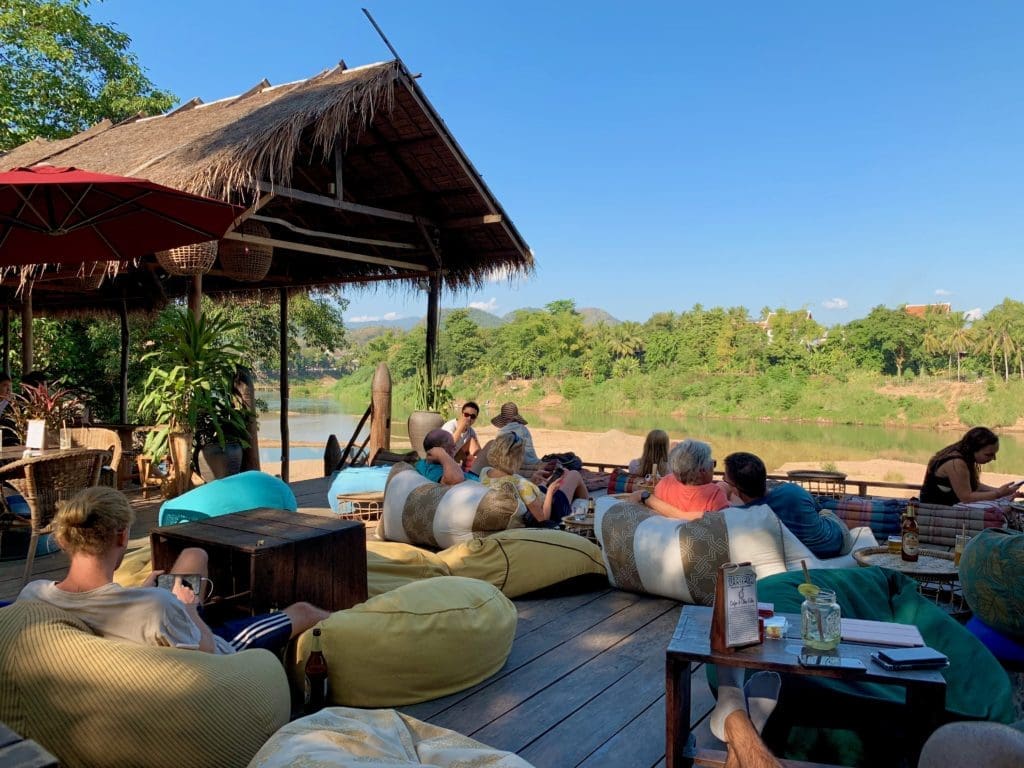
{"points": [[746, 750], [573, 486], [762, 693], [304, 616], [191, 560]]}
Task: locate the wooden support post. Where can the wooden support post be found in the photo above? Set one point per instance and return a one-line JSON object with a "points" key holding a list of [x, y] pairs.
{"points": [[380, 406], [122, 312], [7, 340], [283, 293], [433, 302], [26, 331], [246, 392], [195, 297]]}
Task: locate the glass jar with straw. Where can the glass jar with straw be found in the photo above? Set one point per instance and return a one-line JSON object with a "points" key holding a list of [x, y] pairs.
{"points": [[820, 626]]}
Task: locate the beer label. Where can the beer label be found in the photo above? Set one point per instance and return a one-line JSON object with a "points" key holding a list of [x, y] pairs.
{"points": [[910, 542]]}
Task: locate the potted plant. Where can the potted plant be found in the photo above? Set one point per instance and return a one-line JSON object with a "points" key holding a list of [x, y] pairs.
{"points": [[221, 437], [54, 403], [430, 400], [193, 368]]}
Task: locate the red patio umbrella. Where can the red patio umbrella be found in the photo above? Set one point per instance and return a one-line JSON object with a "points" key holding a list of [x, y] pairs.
{"points": [[66, 215]]}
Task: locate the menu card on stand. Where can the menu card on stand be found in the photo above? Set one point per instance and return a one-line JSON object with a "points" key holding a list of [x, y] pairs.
{"points": [[734, 621], [35, 435]]}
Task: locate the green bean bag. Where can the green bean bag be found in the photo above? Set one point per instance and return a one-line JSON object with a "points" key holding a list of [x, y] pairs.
{"points": [[992, 577], [977, 686]]}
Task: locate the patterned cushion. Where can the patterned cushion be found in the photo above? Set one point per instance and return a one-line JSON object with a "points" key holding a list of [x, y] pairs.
{"points": [[421, 641], [417, 511], [992, 577], [358, 738], [524, 560], [97, 702], [621, 481], [882, 515]]}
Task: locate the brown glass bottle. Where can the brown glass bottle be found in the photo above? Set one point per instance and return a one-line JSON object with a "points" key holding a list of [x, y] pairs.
{"points": [[316, 677], [910, 538]]}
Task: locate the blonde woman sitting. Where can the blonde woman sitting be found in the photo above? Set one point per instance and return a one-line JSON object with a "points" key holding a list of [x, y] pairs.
{"points": [[541, 506], [690, 490], [655, 455]]}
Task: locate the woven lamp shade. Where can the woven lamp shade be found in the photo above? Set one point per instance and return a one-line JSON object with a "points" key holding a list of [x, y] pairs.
{"points": [[93, 273], [243, 261], [189, 260]]}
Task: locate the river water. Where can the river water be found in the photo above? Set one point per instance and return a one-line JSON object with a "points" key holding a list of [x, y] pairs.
{"points": [[312, 420]]}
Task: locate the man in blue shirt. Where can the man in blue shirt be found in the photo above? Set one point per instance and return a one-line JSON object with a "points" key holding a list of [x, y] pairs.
{"points": [[440, 465], [794, 506]]}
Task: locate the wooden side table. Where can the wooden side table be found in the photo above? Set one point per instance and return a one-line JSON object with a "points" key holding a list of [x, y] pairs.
{"points": [[266, 559], [691, 643]]}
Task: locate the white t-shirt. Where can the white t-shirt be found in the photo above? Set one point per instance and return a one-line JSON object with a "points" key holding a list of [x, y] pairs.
{"points": [[143, 615], [450, 426]]}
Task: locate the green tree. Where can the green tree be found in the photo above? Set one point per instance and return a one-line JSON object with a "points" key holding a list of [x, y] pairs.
{"points": [[888, 340], [460, 346], [63, 72], [1001, 336]]}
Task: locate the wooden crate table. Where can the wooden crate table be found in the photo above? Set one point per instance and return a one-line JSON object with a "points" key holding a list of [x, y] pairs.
{"points": [[691, 643], [266, 559]]}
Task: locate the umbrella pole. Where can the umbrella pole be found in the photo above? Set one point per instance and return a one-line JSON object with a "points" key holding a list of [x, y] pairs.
{"points": [[125, 338], [26, 331], [195, 297], [7, 340]]}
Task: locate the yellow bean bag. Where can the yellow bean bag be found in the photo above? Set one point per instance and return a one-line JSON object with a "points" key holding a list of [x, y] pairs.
{"points": [[391, 564], [340, 737], [424, 640], [97, 702], [135, 567], [524, 560]]}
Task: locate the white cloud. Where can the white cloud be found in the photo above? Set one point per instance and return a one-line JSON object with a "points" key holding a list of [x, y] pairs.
{"points": [[973, 314], [392, 316], [364, 319], [943, 292], [836, 303], [486, 306]]}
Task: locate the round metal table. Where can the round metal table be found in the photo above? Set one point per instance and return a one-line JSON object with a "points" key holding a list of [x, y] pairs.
{"points": [[937, 576]]}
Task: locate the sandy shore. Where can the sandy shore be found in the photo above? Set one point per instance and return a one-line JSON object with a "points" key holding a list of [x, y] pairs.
{"points": [[615, 447]]}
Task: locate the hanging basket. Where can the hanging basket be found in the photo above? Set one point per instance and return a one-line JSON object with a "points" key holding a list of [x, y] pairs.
{"points": [[188, 260], [247, 262], [92, 274]]}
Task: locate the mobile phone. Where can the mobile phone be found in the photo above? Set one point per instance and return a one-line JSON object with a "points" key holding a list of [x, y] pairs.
{"points": [[822, 661], [557, 472]]}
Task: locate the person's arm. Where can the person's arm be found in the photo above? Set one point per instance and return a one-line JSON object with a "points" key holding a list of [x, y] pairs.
{"points": [[662, 507], [959, 478], [452, 473]]}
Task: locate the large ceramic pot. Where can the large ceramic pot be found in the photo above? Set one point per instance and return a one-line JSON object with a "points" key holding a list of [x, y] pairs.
{"points": [[419, 424], [181, 458], [214, 462]]}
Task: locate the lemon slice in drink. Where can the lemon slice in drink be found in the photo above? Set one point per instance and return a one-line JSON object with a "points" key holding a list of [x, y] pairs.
{"points": [[808, 590]]}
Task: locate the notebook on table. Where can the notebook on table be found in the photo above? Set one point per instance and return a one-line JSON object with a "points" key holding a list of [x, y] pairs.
{"points": [[880, 633]]}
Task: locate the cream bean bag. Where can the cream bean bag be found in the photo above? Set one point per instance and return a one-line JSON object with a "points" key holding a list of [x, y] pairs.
{"points": [[358, 738], [390, 564], [418, 511], [97, 702], [524, 560], [421, 641], [645, 552]]}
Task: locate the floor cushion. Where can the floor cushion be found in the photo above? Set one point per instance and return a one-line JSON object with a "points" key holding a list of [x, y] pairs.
{"points": [[237, 493], [421, 641], [356, 480], [135, 567], [977, 687], [358, 738], [992, 578], [97, 702], [418, 511], [390, 564], [524, 560]]}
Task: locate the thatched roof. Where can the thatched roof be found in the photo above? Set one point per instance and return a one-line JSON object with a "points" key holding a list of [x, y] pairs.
{"points": [[410, 202]]}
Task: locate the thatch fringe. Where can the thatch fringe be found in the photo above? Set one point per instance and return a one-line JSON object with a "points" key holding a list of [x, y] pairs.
{"points": [[268, 151]]}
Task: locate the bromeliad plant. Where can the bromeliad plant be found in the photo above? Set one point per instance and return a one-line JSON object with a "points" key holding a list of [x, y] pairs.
{"points": [[55, 404], [191, 380]]}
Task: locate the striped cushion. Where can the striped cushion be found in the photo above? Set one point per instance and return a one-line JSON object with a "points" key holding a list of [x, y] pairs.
{"points": [[882, 515], [417, 511], [97, 702]]}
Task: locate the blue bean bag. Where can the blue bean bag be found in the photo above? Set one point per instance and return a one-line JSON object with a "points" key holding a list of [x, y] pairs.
{"points": [[357, 480], [237, 493], [1006, 649]]}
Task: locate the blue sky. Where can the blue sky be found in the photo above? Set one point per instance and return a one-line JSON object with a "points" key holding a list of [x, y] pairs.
{"points": [[656, 155]]}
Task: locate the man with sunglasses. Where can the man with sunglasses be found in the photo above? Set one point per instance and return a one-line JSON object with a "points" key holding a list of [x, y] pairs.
{"points": [[467, 445]]}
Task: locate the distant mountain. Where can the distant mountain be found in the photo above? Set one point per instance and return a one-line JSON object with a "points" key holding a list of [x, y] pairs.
{"points": [[478, 316], [402, 323], [593, 316]]}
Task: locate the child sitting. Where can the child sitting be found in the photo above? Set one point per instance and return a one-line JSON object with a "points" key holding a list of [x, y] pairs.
{"points": [[540, 506]]}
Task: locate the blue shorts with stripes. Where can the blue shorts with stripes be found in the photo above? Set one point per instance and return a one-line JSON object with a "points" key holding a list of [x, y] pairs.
{"points": [[269, 630]]}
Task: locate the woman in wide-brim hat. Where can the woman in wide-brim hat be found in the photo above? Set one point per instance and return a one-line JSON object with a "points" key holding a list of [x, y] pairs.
{"points": [[509, 413], [509, 420]]}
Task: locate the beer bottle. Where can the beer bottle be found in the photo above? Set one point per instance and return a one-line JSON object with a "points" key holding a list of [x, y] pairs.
{"points": [[591, 507], [910, 539], [316, 677]]}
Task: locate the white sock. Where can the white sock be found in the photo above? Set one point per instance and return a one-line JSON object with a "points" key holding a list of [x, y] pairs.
{"points": [[762, 692], [730, 698]]}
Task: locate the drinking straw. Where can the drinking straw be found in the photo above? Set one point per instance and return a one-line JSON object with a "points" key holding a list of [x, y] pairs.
{"points": [[817, 611]]}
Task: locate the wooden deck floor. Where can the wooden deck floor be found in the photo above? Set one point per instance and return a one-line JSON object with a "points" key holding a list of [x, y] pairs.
{"points": [[584, 684]]}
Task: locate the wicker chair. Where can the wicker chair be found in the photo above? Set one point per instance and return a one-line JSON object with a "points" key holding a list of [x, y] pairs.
{"points": [[43, 481], [106, 440]]}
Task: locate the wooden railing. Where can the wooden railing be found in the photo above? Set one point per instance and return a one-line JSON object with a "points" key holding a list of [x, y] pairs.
{"points": [[861, 486]]}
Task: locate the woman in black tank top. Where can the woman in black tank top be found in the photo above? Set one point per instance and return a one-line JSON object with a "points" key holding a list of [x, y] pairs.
{"points": [[953, 476]]}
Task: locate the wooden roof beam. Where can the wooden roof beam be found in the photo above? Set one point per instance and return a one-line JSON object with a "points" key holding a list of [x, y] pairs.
{"points": [[321, 251], [467, 222], [331, 235], [341, 205]]}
